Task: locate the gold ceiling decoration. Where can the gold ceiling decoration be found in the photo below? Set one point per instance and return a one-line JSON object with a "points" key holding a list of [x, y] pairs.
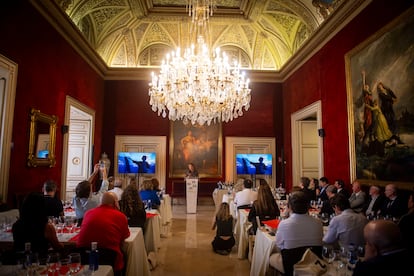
{"points": [[195, 85], [259, 34]]}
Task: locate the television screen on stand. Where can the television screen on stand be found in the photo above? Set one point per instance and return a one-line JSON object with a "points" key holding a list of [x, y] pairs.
{"points": [[136, 162], [254, 163]]}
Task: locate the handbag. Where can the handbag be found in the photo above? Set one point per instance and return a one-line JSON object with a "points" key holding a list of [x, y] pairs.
{"points": [[310, 265]]}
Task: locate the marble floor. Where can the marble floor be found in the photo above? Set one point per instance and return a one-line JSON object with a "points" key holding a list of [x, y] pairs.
{"points": [[187, 250]]}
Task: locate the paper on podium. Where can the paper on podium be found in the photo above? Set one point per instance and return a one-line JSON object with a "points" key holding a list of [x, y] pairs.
{"points": [[191, 194]]}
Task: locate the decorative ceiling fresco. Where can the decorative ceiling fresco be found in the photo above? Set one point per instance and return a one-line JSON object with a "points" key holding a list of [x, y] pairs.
{"points": [[259, 34]]}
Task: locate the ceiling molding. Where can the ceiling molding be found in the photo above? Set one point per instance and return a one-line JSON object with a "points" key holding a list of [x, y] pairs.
{"points": [[323, 35], [62, 23]]}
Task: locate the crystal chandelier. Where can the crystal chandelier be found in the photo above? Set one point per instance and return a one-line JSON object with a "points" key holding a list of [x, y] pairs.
{"points": [[196, 86]]}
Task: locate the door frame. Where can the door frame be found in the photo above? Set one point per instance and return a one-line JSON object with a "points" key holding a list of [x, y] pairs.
{"points": [[71, 102], [312, 109], [8, 85]]}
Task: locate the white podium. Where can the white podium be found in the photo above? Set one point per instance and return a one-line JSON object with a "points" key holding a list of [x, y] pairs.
{"points": [[191, 184]]}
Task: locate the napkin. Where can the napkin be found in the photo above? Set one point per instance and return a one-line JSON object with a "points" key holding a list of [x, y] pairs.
{"points": [[273, 223], [74, 238], [150, 215]]}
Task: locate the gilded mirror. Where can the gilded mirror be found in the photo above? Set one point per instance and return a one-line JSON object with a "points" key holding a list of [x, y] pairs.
{"points": [[42, 139]]}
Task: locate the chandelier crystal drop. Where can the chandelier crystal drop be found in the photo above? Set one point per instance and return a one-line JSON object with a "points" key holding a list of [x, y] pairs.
{"points": [[196, 86]]}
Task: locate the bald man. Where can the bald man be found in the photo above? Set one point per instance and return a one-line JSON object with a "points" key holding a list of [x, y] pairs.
{"points": [[106, 225], [384, 252]]}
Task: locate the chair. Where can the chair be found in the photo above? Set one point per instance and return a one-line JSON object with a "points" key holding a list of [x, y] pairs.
{"points": [[291, 256]]}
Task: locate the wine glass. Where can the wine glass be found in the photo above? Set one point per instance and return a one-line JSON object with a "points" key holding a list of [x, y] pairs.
{"points": [[74, 263], [328, 254], [62, 266], [52, 263], [361, 252]]}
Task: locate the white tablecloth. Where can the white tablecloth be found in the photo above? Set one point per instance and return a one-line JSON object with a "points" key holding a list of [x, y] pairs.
{"points": [[152, 234], [10, 214], [136, 255], [218, 196], [166, 216], [240, 230], [264, 246], [14, 270]]}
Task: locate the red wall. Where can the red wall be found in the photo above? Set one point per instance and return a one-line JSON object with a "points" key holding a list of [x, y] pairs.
{"points": [[48, 70], [127, 112], [323, 78]]}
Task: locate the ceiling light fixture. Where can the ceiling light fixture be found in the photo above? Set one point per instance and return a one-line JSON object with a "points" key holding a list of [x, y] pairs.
{"points": [[195, 87]]}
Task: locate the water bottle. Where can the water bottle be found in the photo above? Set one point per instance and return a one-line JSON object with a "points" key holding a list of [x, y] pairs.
{"points": [[28, 255], [94, 257], [352, 256]]}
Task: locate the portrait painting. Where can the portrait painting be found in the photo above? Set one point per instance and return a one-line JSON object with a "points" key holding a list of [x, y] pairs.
{"points": [[380, 87], [200, 145]]}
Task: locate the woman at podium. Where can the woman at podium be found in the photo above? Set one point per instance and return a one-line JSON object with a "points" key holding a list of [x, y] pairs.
{"points": [[191, 171]]}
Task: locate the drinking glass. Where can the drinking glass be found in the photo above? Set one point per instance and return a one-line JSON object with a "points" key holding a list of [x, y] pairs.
{"points": [[52, 263], [74, 263], [328, 254], [62, 266], [361, 252]]}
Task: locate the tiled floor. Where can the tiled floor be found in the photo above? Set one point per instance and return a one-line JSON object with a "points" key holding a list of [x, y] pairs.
{"points": [[188, 251]]}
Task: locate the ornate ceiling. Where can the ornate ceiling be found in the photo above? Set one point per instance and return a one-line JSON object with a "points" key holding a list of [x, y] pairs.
{"points": [[259, 34]]}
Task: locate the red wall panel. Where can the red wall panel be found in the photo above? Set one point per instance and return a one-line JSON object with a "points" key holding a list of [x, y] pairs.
{"points": [[48, 70], [323, 77]]}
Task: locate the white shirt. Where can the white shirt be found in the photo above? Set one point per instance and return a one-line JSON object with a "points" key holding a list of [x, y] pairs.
{"points": [[299, 230], [346, 228], [245, 197], [118, 191]]}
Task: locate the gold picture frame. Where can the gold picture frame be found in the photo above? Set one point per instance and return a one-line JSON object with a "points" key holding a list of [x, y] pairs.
{"points": [[381, 106], [42, 136], [201, 145]]}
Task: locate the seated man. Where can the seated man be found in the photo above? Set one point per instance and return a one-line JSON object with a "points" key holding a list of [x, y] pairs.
{"points": [[384, 254], [106, 225], [245, 197], [54, 206], [298, 231], [347, 226]]}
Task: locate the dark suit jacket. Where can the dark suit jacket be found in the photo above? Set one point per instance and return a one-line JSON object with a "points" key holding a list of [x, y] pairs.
{"points": [[379, 202], [397, 263], [397, 209]]}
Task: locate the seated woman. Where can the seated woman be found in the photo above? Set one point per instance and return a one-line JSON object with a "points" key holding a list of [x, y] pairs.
{"points": [[33, 227], [84, 198], [133, 207], [147, 193], [264, 207], [224, 240]]}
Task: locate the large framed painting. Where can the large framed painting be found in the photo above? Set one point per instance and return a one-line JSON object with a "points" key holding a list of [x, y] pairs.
{"points": [[200, 145], [380, 88]]}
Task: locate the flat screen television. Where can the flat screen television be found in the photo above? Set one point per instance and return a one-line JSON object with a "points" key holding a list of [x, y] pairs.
{"points": [[254, 163], [136, 162]]}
